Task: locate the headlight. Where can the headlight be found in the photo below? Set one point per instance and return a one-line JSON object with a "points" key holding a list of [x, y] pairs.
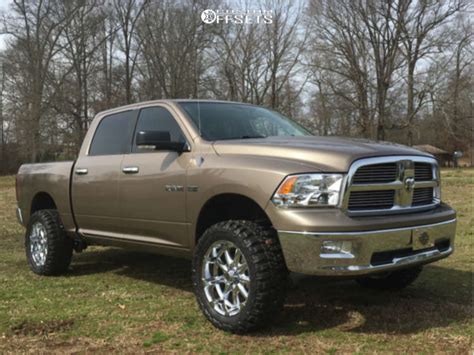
{"points": [[309, 190]]}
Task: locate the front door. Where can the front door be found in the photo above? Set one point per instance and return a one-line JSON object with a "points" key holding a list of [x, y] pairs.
{"points": [[152, 185], [96, 176]]}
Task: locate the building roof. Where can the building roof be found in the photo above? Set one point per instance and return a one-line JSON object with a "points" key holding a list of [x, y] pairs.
{"points": [[427, 148]]}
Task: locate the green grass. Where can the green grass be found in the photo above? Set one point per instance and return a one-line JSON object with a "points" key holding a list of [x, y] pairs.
{"points": [[116, 300]]}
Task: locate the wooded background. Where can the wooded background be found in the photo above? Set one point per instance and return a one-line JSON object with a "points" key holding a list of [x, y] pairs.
{"points": [[391, 70]]}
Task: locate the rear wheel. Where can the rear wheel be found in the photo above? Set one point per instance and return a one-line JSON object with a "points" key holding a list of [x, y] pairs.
{"points": [[239, 275], [48, 248], [395, 280]]}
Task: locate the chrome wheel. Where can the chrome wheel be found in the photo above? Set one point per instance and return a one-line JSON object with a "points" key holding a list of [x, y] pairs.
{"points": [[225, 277], [38, 244]]}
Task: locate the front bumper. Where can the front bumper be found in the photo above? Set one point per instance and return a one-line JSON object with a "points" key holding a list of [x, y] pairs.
{"points": [[369, 251]]}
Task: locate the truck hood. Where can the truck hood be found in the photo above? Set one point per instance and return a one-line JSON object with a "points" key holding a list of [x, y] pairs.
{"points": [[330, 154]]}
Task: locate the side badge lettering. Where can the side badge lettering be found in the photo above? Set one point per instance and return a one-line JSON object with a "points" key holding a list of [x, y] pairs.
{"points": [[174, 188]]}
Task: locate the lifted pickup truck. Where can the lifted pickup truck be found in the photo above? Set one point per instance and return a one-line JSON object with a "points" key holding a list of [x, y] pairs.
{"points": [[247, 194]]}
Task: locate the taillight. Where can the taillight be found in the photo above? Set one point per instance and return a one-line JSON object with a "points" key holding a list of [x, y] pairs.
{"points": [[17, 189]]}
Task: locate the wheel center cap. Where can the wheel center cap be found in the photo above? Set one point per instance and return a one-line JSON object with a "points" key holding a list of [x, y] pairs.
{"points": [[234, 276]]}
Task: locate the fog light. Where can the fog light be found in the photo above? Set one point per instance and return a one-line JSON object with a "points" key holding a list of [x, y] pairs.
{"points": [[337, 249]]}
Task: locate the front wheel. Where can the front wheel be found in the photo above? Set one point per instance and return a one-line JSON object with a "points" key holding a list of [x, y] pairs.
{"points": [[48, 248], [395, 280], [239, 275]]}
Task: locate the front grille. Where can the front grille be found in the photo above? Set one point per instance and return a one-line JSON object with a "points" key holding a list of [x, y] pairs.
{"points": [[371, 200], [395, 184], [422, 196], [423, 172], [375, 173]]}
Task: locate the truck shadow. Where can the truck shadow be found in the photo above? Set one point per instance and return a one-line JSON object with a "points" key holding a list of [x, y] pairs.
{"points": [[440, 297]]}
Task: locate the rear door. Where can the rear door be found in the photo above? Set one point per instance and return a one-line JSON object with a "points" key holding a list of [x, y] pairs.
{"points": [[96, 176], [152, 185]]}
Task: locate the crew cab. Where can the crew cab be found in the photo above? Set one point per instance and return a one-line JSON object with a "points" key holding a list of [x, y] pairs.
{"points": [[246, 193]]}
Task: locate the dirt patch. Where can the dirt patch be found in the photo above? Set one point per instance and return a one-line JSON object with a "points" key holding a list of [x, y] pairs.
{"points": [[55, 344], [42, 328]]}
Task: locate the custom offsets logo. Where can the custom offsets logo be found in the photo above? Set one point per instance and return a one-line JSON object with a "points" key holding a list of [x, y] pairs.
{"points": [[239, 17]]}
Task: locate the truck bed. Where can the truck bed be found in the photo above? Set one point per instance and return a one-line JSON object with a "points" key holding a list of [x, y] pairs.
{"points": [[53, 179]]}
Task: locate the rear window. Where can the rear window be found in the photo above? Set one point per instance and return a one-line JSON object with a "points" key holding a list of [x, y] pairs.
{"points": [[112, 136]]}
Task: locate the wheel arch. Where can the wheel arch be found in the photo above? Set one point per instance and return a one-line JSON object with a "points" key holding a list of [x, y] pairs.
{"points": [[226, 206], [42, 201]]}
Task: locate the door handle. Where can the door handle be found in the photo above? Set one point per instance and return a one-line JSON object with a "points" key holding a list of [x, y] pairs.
{"points": [[131, 170], [81, 171]]}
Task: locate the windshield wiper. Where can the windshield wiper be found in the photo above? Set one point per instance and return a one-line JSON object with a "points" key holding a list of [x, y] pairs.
{"points": [[241, 137], [251, 137]]}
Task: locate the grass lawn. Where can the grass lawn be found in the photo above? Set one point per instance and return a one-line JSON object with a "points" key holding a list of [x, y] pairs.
{"points": [[115, 300]]}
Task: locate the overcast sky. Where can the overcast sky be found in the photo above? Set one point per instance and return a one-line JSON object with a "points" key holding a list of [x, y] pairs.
{"points": [[3, 7], [4, 3]]}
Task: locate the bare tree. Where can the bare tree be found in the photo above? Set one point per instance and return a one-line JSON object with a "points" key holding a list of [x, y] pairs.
{"points": [[240, 62], [128, 13], [459, 111], [339, 46], [284, 46], [173, 41], [2, 120], [377, 69], [81, 41], [109, 33], [421, 38], [383, 21], [36, 27], [260, 62]]}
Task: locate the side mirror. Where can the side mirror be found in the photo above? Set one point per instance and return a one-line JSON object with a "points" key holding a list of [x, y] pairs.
{"points": [[160, 140]]}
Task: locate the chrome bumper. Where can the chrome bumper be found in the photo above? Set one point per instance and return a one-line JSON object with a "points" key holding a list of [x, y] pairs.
{"points": [[19, 215], [367, 252]]}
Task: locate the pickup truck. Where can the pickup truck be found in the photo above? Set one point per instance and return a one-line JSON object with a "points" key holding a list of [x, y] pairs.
{"points": [[247, 194]]}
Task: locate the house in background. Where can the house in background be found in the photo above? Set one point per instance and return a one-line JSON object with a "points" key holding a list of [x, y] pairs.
{"points": [[467, 160], [444, 158]]}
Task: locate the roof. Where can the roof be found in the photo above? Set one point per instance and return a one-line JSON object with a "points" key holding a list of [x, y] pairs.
{"points": [[427, 148], [165, 101]]}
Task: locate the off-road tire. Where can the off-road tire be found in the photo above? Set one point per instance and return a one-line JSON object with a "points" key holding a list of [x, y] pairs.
{"points": [[395, 280], [60, 246], [268, 273]]}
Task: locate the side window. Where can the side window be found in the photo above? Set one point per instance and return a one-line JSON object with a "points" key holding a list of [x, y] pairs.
{"points": [[157, 119], [112, 136]]}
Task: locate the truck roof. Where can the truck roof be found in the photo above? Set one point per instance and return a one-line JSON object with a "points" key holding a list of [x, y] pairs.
{"points": [[167, 101]]}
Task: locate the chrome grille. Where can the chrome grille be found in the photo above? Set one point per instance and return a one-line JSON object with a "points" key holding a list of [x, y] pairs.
{"points": [[422, 196], [391, 184], [369, 200], [375, 173], [423, 172]]}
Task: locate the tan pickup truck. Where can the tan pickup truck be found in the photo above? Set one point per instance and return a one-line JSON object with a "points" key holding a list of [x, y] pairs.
{"points": [[247, 194]]}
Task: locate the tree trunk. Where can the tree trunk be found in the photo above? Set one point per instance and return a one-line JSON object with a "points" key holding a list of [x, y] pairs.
{"points": [[381, 95], [410, 101]]}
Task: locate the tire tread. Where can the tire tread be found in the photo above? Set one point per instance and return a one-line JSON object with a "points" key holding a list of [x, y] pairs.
{"points": [[60, 246], [271, 273]]}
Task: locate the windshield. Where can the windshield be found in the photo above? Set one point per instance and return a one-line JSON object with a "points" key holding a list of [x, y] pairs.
{"points": [[221, 121]]}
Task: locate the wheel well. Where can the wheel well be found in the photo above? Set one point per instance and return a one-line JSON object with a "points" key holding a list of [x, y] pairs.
{"points": [[42, 201], [229, 206]]}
